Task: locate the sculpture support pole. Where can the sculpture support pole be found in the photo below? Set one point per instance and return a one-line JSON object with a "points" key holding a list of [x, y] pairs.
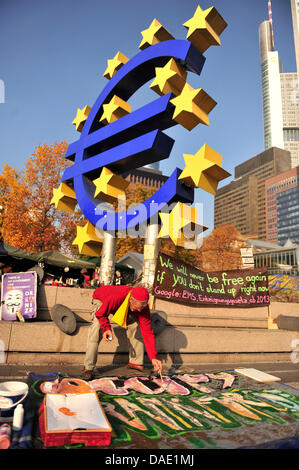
{"points": [[150, 255], [107, 267]]}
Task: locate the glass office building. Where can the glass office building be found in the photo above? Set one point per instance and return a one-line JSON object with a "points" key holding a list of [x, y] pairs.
{"points": [[275, 187], [288, 215]]}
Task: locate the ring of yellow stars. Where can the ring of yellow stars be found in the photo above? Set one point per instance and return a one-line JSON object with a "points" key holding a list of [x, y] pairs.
{"points": [[203, 170], [154, 34], [181, 225], [88, 241], [81, 116], [204, 28], [170, 78], [115, 64], [192, 107], [115, 109], [64, 198], [110, 187]]}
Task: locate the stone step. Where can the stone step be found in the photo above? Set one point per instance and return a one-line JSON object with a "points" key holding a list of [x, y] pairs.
{"points": [[206, 319], [32, 340], [107, 359]]}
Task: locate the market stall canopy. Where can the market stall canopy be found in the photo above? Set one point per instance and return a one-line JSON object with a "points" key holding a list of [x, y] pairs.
{"points": [[50, 257], [8, 251], [55, 258]]}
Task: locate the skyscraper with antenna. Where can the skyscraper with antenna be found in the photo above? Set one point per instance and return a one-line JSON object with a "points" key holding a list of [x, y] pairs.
{"points": [[280, 90], [271, 89], [271, 24]]}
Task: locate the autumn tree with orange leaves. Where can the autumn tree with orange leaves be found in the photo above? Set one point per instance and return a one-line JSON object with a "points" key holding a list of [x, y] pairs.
{"points": [[28, 220], [221, 249], [12, 205], [135, 195]]}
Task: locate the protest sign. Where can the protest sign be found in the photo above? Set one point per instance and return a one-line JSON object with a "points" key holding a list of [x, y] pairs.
{"points": [[180, 282], [18, 296]]}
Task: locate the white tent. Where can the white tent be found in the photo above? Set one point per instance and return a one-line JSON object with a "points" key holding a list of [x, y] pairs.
{"points": [[134, 261]]}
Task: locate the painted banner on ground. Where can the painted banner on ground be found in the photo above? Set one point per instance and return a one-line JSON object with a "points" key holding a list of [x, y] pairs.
{"points": [[18, 296], [221, 407], [284, 282], [180, 282]]}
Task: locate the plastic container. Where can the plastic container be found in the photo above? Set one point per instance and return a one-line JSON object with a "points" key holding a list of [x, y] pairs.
{"points": [[11, 394], [18, 418], [5, 433]]}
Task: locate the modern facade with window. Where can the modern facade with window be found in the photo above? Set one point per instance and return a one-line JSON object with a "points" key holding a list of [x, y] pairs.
{"points": [[288, 216], [242, 202], [148, 177], [290, 114], [280, 190]]}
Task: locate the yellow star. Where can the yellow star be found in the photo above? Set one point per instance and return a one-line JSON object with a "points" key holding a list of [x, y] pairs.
{"points": [[154, 34], [203, 170], [87, 240], [115, 64], [114, 110], [82, 115], [110, 187], [181, 225], [192, 107], [170, 78], [204, 28], [64, 198]]}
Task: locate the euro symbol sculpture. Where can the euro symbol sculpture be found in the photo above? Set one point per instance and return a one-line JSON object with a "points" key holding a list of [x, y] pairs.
{"points": [[115, 140]]}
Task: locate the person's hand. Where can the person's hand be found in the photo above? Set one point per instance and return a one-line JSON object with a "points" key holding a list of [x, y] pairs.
{"points": [[157, 365], [107, 335]]}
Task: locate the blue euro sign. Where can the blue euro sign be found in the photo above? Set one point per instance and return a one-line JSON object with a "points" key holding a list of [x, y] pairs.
{"points": [[132, 141]]}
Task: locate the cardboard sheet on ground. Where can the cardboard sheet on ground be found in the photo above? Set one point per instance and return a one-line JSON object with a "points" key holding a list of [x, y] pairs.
{"points": [[257, 375], [74, 411], [73, 418]]}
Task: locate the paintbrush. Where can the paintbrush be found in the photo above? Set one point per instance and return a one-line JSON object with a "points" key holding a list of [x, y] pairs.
{"points": [[161, 377], [20, 316]]}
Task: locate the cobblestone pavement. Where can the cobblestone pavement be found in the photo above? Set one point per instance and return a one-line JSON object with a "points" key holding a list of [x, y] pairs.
{"points": [[288, 372]]}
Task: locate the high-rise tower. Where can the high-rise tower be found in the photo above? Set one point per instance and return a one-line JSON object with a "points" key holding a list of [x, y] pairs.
{"points": [[290, 96], [280, 91], [295, 20], [271, 88]]}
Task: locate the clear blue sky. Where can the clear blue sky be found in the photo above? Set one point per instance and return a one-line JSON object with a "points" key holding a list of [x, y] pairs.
{"points": [[53, 54]]}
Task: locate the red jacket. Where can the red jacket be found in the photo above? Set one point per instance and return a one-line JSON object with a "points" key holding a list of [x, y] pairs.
{"points": [[112, 297]]}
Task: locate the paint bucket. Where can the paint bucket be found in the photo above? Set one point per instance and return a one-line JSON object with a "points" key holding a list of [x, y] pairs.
{"points": [[11, 394]]}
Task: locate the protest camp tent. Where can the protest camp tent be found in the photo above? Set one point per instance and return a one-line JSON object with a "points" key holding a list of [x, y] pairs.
{"points": [[23, 260], [16, 256], [55, 258], [134, 261]]}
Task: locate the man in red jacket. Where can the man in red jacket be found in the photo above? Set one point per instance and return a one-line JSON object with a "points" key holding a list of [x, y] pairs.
{"points": [[106, 301]]}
